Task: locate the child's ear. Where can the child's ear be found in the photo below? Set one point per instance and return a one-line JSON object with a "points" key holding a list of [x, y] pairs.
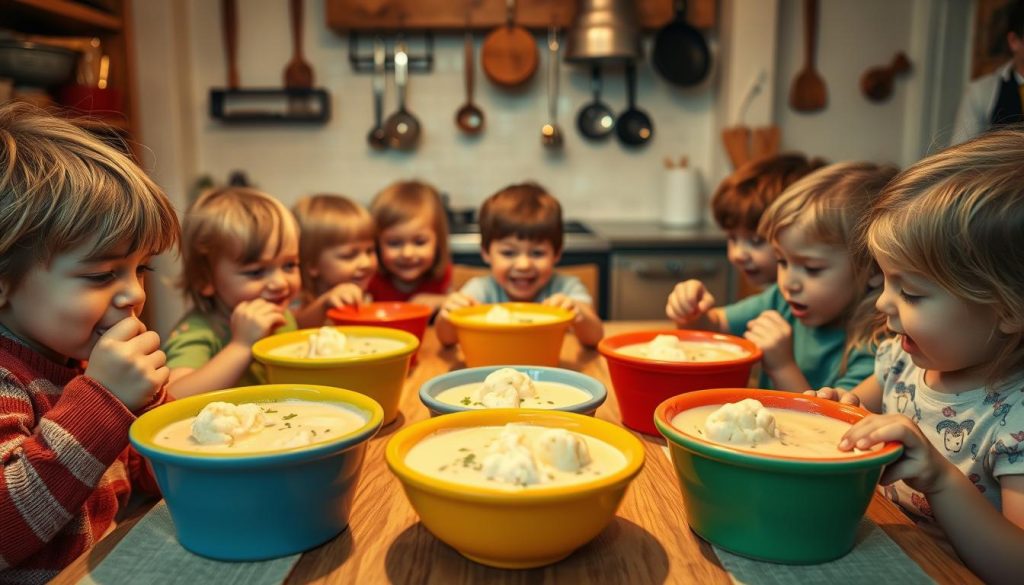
{"points": [[207, 290], [876, 280], [486, 255]]}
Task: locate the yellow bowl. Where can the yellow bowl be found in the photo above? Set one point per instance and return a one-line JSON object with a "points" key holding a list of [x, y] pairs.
{"points": [[380, 376], [495, 344], [515, 530]]}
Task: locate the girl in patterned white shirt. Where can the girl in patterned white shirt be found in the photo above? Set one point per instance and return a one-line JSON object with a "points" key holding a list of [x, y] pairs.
{"points": [[948, 235]]}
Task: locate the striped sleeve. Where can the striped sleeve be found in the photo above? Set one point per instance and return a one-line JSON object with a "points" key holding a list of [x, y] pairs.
{"points": [[50, 467]]}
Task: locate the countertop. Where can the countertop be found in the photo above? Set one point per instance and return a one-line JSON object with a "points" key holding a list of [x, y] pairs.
{"points": [[620, 236], [648, 542]]}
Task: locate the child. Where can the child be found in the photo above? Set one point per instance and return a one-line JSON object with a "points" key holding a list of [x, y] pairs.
{"points": [[521, 240], [412, 243], [240, 256], [337, 255], [817, 325], [740, 200], [948, 234], [79, 223]]}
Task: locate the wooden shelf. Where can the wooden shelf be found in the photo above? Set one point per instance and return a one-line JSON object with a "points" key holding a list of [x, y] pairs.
{"points": [[58, 16], [450, 15]]}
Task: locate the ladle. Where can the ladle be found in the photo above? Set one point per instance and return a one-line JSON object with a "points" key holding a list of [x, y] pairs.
{"points": [[634, 126], [402, 128], [551, 134], [469, 118], [596, 120], [378, 138]]}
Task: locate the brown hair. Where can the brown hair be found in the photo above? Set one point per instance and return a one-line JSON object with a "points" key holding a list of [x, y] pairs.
{"points": [[957, 217], [526, 211], [61, 187], [741, 198], [404, 200], [230, 222], [828, 204], [325, 221]]}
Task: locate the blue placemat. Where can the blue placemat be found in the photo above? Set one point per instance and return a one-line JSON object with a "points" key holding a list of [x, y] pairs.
{"points": [[150, 553]]}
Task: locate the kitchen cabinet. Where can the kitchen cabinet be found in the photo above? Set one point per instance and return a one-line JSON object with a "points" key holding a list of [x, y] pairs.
{"points": [[642, 280], [108, 20]]}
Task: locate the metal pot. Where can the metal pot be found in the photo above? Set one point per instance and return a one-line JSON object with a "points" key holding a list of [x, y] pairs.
{"points": [[604, 30], [36, 65]]}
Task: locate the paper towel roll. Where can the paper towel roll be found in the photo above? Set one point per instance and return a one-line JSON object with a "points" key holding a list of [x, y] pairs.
{"points": [[682, 204]]}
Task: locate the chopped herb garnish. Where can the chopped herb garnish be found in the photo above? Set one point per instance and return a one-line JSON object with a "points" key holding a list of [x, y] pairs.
{"points": [[463, 448], [327, 430], [313, 431], [271, 411], [550, 402], [469, 460], [287, 425], [289, 416], [443, 467], [467, 401], [478, 404]]}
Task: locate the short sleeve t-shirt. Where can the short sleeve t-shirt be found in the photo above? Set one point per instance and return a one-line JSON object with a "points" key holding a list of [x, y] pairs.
{"points": [[486, 289], [818, 351], [981, 431], [200, 336]]}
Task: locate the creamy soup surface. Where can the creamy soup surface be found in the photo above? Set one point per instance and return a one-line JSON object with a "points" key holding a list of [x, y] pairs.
{"points": [[684, 351], [500, 315], [798, 434], [514, 457], [354, 346], [276, 426], [548, 395]]}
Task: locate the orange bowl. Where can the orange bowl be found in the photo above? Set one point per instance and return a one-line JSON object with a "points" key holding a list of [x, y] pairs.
{"points": [[411, 317], [496, 344], [641, 384]]}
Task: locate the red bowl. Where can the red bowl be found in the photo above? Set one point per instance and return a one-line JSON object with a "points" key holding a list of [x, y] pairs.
{"points": [[410, 317], [641, 384]]}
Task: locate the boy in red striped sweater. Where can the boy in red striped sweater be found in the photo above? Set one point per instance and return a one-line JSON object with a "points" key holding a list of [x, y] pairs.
{"points": [[79, 222]]}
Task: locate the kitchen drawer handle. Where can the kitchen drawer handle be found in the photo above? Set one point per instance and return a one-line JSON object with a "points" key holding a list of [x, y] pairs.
{"points": [[677, 273]]}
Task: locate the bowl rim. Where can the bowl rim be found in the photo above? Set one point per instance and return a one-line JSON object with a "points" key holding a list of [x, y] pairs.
{"points": [[399, 444], [262, 348], [609, 346], [598, 391], [459, 317], [356, 314], [141, 432], [775, 399]]}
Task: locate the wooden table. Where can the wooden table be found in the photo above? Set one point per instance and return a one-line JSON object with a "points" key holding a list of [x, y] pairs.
{"points": [[648, 542]]}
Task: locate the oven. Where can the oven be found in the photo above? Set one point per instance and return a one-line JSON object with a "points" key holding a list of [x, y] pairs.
{"points": [[642, 280]]}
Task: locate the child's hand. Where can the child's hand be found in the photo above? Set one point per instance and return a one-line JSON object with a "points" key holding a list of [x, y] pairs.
{"points": [[836, 394], [253, 320], [456, 301], [561, 301], [344, 294], [773, 334], [688, 300], [128, 362], [922, 467]]}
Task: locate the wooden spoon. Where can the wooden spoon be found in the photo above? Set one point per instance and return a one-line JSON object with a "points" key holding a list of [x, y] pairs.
{"points": [[808, 93], [876, 83], [229, 22], [298, 74]]}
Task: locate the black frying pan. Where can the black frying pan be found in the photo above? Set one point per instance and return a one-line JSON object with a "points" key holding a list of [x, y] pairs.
{"points": [[680, 52], [596, 120], [634, 126]]}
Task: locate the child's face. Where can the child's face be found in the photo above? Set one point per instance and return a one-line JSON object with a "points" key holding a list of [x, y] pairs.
{"points": [[408, 249], [354, 262], [274, 277], [940, 331], [521, 267], [753, 255], [816, 279], [62, 309]]}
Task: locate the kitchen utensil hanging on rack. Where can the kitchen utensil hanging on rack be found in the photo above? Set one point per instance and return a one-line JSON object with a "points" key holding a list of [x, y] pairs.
{"points": [[378, 138], [808, 92], [509, 53], [634, 126], [298, 74], [595, 120], [681, 54], [229, 26], [550, 133], [469, 118], [402, 128], [876, 83]]}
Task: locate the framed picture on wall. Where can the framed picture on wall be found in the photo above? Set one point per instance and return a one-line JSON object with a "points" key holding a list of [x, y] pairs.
{"points": [[990, 49]]}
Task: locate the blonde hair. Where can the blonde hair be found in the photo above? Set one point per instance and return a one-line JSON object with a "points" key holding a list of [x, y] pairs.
{"points": [[61, 187], [326, 221], [404, 200], [957, 217], [230, 222], [526, 211], [741, 198], [827, 205]]}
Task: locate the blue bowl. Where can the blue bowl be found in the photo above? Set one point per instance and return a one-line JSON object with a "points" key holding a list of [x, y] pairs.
{"points": [[438, 384], [239, 507]]}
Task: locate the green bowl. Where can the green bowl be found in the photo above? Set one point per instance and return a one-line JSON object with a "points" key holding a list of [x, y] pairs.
{"points": [[779, 509]]}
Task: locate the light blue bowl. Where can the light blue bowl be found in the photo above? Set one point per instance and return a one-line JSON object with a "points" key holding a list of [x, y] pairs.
{"points": [[438, 384], [254, 507]]}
